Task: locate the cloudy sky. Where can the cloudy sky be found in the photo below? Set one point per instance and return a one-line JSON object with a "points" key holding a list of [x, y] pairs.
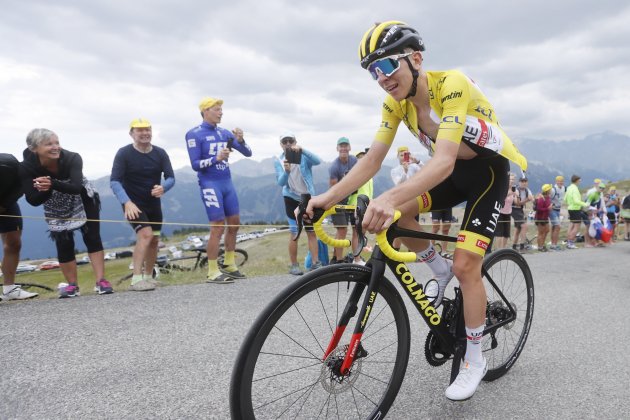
{"points": [[554, 70]]}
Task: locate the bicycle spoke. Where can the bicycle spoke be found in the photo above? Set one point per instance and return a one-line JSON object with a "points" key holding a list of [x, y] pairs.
{"points": [[326, 313], [291, 338], [285, 372], [309, 328]]}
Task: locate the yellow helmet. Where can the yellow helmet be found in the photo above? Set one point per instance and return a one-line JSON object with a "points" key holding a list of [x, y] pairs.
{"points": [[388, 38], [140, 123], [546, 187]]}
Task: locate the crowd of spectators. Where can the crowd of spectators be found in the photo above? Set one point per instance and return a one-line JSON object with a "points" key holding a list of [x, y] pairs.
{"points": [[52, 177]]}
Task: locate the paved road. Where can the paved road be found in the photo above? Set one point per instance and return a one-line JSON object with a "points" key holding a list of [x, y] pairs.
{"points": [[169, 353]]}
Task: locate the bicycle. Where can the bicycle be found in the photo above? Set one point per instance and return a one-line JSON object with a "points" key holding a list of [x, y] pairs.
{"points": [[297, 360], [192, 260]]}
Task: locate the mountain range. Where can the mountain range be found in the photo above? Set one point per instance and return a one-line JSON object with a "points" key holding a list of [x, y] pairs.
{"points": [[595, 156]]}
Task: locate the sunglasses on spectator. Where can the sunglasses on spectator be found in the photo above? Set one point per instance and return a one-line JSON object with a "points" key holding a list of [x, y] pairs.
{"points": [[287, 140], [386, 66]]}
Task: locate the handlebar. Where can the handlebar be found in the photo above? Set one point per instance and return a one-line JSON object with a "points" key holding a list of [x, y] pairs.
{"points": [[382, 238]]}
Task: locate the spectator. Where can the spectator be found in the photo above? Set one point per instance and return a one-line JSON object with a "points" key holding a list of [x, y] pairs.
{"points": [[613, 204], [441, 220], [597, 208], [209, 148], [294, 174], [625, 215], [136, 180], [338, 169], [366, 189], [502, 232], [408, 165], [11, 227], [543, 208], [523, 196], [593, 189], [557, 198], [53, 176], [573, 198]]}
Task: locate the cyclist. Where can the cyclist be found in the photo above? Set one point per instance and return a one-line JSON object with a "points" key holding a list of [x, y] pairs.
{"points": [[209, 148], [451, 117]]}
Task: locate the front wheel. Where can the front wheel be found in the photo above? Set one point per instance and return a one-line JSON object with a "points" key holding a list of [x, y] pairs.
{"points": [[508, 282], [280, 370]]}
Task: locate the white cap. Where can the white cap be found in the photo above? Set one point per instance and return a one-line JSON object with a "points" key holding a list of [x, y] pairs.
{"points": [[287, 134]]}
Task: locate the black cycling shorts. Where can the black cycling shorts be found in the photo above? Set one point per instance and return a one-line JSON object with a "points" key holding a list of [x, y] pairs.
{"points": [[481, 183]]}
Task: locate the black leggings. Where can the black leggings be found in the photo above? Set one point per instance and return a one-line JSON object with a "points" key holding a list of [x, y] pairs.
{"points": [[91, 232]]}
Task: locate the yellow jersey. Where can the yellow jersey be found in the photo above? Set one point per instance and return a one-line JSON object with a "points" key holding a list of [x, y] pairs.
{"points": [[462, 111]]}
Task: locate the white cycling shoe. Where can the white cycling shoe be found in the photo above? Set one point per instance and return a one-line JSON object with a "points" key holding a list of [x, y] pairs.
{"points": [[435, 288], [467, 381]]}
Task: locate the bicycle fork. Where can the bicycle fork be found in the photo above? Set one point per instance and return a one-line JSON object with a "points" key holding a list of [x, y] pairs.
{"points": [[349, 311]]}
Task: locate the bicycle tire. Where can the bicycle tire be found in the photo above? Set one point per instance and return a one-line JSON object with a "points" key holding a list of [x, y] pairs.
{"points": [[297, 388], [512, 275], [240, 258]]}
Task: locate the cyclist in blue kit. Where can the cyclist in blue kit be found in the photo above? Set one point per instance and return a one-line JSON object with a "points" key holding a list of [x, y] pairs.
{"points": [[209, 147]]}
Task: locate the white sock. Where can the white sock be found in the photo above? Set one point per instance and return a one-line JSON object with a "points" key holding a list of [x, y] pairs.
{"points": [[473, 345], [435, 261]]}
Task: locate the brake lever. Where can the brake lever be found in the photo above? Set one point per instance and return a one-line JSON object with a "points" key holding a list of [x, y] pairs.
{"points": [[362, 204], [302, 218]]}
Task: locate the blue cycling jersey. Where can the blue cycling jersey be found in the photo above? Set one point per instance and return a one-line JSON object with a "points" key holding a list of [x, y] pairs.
{"points": [[203, 143]]}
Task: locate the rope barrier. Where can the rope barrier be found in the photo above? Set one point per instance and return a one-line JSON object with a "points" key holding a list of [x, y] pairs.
{"points": [[206, 225]]}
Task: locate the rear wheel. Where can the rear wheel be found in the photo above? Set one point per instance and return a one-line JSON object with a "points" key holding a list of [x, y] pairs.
{"points": [[279, 371], [511, 275], [240, 258]]}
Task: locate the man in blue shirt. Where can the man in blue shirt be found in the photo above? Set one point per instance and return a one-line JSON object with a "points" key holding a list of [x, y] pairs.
{"points": [[295, 175], [209, 147], [136, 182], [338, 169]]}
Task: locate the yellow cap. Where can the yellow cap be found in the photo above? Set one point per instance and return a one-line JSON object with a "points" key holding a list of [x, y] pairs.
{"points": [[209, 102], [546, 187], [612, 188], [403, 149], [597, 181], [140, 123], [559, 178]]}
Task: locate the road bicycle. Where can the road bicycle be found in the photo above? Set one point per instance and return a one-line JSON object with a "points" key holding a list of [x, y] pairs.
{"points": [[191, 260], [336, 341]]}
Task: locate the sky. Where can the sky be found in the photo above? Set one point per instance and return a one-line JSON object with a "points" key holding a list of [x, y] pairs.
{"points": [[554, 70]]}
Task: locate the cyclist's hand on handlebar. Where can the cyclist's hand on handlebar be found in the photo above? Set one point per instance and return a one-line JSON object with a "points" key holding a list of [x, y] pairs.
{"points": [[379, 215], [317, 202]]}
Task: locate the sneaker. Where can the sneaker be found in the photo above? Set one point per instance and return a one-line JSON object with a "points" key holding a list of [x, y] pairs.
{"points": [[68, 290], [295, 270], [467, 381], [359, 262], [221, 279], [103, 287], [317, 265], [234, 274], [434, 289], [571, 245], [142, 286], [17, 293], [155, 282]]}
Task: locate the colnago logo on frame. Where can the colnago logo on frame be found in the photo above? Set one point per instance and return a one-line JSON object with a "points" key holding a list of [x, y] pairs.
{"points": [[417, 294]]}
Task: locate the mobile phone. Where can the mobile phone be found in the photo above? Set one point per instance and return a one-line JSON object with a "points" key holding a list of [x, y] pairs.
{"points": [[230, 142], [513, 188], [406, 156], [293, 156]]}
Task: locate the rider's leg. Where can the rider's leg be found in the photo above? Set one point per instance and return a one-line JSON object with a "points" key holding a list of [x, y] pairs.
{"points": [[212, 248]]}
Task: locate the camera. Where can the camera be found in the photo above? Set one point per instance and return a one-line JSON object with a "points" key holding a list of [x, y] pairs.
{"points": [[293, 156], [513, 188], [406, 156]]}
